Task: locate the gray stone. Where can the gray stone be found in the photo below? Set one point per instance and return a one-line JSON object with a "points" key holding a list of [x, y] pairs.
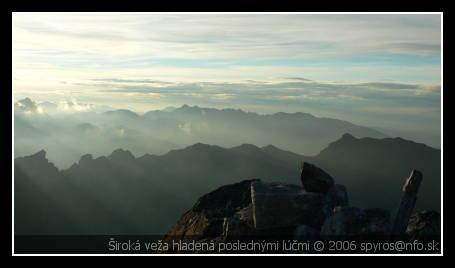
{"points": [[424, 224], [306, 232], [338, 196], [315, 179], [240, 224], [408, 202], [277, 205], [347, 221]]}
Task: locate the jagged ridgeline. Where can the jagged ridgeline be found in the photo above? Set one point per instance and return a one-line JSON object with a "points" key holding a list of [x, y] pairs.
{"points": [[67, 136], [124, 194]]}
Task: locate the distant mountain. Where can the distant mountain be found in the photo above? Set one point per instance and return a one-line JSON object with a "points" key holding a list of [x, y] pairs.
{"points": [[298, 132], [429, 138], [169, 109], [24, 129], [374, 169], [123, 113], [124, 194], [49, 107], [160, 131]]}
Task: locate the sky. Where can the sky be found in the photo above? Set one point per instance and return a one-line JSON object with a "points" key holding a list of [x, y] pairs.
{"points": [[380, 70]]}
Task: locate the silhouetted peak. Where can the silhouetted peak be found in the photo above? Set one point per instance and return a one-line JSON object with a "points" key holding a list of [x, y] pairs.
{"points": [[400, 139], [85, 158], [39, 155], [199, 146], [347, 137], [188, 108], [384, 141], [36, 162], [297, 114], [270, 147], [169, 109], [123, 112], [246, 148], [121, 154], [26, 100], [304, 114]]}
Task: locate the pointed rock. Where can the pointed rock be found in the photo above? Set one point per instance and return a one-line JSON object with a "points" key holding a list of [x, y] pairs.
{"points": [[315, 179]]}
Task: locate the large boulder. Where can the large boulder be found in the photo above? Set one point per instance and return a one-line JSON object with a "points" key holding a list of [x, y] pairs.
{"points": [[338, 196], [423, 225], [306, 232], [220, 212], [238, 225], [315, 179], [278, 205], [254, 208], [347, 221]]}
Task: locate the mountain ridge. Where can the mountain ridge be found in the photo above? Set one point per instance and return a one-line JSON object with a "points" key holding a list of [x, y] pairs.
{"points": [[134, 189], [347, 137], [70, 134]]}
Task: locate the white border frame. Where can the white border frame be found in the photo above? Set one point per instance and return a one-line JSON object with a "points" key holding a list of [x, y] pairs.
{"points": [[232, 13]]}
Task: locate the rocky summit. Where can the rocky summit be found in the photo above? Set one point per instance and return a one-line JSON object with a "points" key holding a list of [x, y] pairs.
{"points": [[318, 208]]}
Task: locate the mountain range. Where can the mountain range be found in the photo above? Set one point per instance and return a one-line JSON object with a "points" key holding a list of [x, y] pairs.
{"points": [[124, 194], [66, 136]]}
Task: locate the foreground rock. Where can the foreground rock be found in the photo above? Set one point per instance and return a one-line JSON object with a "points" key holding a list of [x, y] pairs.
{"points": [[217, 213], [319, 209], [315, 179], [408, 202], [425, 224], [277, 205], [348, 221]]}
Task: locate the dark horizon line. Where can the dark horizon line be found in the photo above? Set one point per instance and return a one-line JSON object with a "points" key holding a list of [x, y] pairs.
{"points": [[261, 148]]}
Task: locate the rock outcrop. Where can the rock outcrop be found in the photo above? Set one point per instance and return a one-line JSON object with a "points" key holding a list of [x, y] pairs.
{"points": [[225, 211], [315, 179], [348, 221], [276, 205], [317, 209], [408, 202], [424, 225]]}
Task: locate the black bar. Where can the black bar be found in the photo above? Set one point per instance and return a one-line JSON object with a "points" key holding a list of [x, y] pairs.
{"points": [[135, 244]]}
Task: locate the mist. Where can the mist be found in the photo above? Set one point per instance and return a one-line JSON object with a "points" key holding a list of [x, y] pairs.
{"points": [[74, 130]]}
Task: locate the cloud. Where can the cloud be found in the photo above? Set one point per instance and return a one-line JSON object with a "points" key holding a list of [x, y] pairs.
{"points": [[294, 90], [417, 48], [427, 89], [74, 106], [28, 107], [298, 79], [409, 111], [186, 128], [68, 40], [134, 81], [321, 63]]}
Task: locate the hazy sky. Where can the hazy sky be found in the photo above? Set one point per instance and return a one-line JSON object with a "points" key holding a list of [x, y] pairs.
{"points": [[376, 70]]}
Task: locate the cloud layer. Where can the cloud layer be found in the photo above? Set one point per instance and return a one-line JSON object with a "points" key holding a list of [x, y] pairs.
{"points": [[370, 69]]}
